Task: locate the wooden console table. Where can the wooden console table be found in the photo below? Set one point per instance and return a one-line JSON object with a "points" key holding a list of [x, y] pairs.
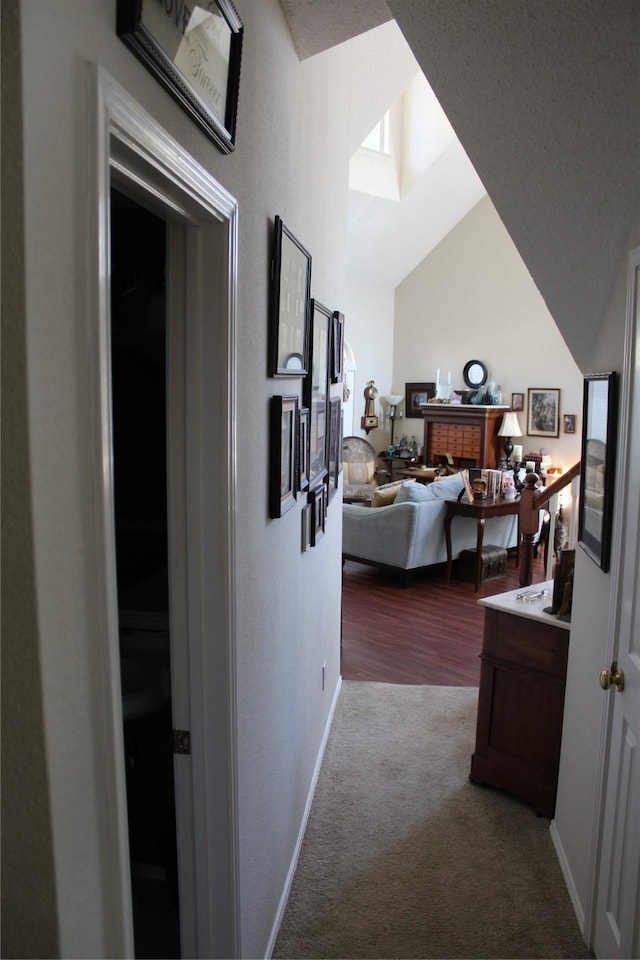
{"points": [[521, 698], [467, 431], [480, 511]]}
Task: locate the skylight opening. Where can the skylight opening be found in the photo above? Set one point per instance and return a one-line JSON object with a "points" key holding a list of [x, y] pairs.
{"points": [[379, 140]]}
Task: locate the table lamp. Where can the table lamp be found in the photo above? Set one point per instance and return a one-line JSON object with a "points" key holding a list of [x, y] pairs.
{"points": [[394, 401], [509, 428]]}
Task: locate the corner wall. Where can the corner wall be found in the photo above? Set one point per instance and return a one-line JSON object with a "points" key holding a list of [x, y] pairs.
{"points": [[473, 298]]}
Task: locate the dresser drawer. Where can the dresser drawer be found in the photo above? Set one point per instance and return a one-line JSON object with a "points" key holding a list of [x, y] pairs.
{"points": [[525, 643]]}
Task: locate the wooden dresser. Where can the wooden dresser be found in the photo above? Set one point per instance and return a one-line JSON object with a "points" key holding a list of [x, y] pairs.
{"points": [[467, 431], [521, 698]]}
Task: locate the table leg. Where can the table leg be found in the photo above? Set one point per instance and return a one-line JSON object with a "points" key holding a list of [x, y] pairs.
{"points": [[447, 536], [479, 541]]}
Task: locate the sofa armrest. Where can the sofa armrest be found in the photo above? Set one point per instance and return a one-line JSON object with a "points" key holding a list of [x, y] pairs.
{"points": [[388, 535]]}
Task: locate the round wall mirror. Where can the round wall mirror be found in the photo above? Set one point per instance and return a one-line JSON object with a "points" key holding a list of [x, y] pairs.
{"points": [[474, 373]]}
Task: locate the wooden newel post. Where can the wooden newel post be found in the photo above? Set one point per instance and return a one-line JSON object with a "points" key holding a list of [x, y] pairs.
{"points": [[529, 522]]}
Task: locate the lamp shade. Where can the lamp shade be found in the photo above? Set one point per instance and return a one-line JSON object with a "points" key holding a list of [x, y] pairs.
{"points": [[394, 400], [510, 427]]}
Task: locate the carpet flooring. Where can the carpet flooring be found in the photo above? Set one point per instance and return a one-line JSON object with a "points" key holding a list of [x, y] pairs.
{"points": [[403, 857]]}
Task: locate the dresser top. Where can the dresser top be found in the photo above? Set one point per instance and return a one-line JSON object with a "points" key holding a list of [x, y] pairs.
{"points": [[532, 610]]}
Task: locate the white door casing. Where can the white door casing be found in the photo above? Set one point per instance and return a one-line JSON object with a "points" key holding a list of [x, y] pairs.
{"points": [[134, 153], [616, 919]]}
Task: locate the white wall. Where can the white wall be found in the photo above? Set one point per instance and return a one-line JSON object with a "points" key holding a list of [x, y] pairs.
{"points": [[369, 330], [473, 298], [288, 161]]}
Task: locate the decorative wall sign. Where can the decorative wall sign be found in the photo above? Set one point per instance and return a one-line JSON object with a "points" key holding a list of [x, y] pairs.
{"points": [[289, 305], [194, 51], [599, 425]]}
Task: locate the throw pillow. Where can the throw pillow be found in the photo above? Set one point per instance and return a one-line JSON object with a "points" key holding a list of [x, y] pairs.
{"points": [[446, 488], [360, 472], [412, 492], [386, 494]]}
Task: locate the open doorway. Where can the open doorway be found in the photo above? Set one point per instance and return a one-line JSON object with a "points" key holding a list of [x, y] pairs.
{"points": [[139, 404]]}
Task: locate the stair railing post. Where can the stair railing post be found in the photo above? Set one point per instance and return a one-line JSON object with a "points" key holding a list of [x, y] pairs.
{"points": [[529, 523]]}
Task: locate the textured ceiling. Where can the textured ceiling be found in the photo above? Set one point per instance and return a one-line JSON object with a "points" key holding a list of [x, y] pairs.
{"points": [[317, 25]]}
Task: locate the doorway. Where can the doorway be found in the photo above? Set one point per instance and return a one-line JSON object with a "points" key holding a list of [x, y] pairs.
{"points": [[139, 403]]}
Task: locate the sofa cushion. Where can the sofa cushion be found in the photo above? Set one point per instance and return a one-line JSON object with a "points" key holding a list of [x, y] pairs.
{"points": [[412, 492], [386, 493], [445, 488]]}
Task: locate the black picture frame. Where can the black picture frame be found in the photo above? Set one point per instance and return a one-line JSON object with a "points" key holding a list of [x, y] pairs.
{"points": [[315, 392], [283, 455], [337, 346], [335, 446], [543, 412], [318, 500], [289, 305], [303, 448], [569, 422], [415, 395], [197, 59], [597, 470]]}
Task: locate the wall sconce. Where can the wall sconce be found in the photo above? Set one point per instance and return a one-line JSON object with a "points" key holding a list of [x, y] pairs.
{"points": [[509, 428], [394, 401]]}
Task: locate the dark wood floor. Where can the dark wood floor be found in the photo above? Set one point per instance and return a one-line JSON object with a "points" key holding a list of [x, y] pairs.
{"points": [[428, 632]]}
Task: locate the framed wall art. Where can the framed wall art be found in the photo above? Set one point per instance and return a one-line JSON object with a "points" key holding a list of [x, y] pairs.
{"points": [[569, 422], [599, 425], [318, 500], [303, 449], [335, 446], [315, 392], [289, 305], [195, 52], [517, 401], [337, 346], [415, 396], [283, 455], [543, 415]]}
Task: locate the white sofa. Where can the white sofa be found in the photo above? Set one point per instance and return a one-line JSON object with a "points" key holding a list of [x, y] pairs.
{"points": [[410, 534]]}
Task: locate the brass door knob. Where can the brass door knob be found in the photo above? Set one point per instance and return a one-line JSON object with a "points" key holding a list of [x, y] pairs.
{"points": [[612, 677]]}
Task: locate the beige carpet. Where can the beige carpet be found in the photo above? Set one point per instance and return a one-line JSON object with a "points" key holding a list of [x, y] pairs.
{"points": [[404, 857]]}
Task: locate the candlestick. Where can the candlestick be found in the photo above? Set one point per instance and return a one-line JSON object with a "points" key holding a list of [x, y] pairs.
{"points": [[449, 377], [517, 453], [438, 376]]}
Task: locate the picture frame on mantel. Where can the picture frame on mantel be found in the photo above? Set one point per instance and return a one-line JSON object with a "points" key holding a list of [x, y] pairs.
{"points": [[195, 55], [289, 305], [597, 467]]}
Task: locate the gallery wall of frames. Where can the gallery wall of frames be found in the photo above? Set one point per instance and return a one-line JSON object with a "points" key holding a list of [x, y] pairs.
{"points": [[305, 344]]}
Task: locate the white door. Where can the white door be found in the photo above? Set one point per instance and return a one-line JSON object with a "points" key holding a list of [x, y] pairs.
{"points": [[617, 920]]}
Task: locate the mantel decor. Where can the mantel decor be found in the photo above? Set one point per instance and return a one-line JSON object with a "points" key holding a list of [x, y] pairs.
{"points": [[416, 396], [289, 305], [599, 425], [195, 52]]}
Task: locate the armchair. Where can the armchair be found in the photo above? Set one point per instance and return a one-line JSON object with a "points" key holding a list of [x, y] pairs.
{"points": [[362, 475]]}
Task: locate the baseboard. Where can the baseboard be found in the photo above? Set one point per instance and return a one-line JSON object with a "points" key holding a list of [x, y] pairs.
{"points": [[303, 826], [568, 878]]}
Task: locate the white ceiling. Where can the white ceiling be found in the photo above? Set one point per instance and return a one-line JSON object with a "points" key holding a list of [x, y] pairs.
{"points": [[387, 239]]}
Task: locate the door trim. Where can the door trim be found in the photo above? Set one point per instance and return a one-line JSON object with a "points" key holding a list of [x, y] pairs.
{"points": [[128, 147]]}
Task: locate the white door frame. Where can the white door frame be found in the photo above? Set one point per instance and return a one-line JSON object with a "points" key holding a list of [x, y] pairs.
{"points": [[131, 149]]}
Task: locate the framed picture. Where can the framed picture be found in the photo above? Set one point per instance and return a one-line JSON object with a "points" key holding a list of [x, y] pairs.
{"points": [[335, 446], [315, 392], [289, 305], [318, 500], [569, 422], [305, 515], [337, 346], [283, 460], [415, 396], [303, 449], [599, 424], [194, 51], [517, 401], [543, 416]]}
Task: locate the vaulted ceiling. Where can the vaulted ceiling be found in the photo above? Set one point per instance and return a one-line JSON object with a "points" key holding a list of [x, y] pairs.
{"points": [[544, 97]]}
